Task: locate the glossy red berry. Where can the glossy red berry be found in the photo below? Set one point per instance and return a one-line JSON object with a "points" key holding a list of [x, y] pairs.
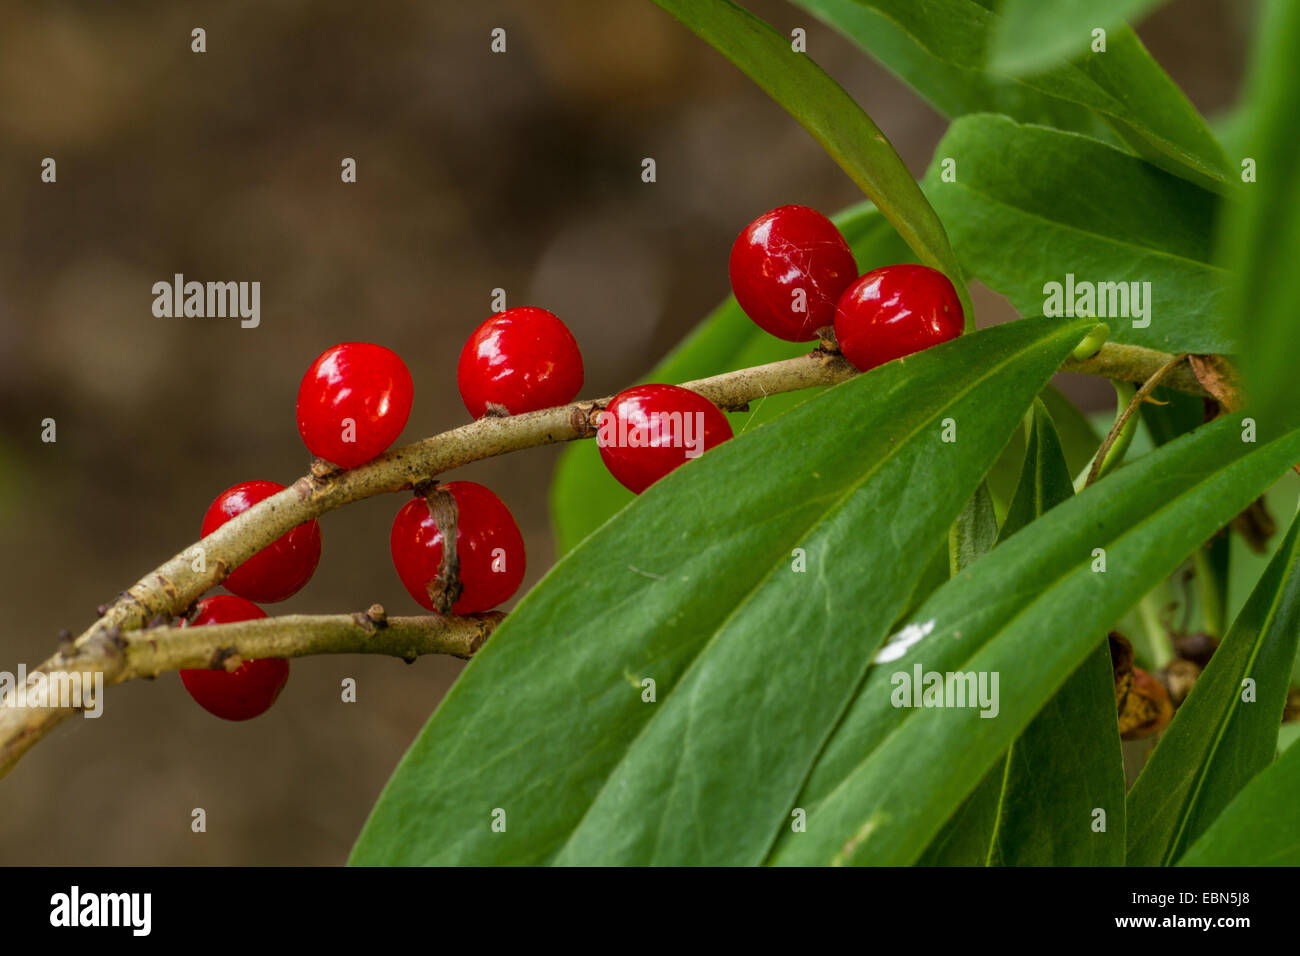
{"points": [[648, 430], [252, 687], [788, 268], [353, 403], [281, 568], [519, 361], [896, 311], [490, 558]]}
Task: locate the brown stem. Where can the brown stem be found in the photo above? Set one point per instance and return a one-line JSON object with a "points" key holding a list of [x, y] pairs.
{"points": [[1129, 410], [30, 710]]}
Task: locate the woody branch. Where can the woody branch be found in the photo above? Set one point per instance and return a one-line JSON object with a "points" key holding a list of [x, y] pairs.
{"points": [[166, 593]]}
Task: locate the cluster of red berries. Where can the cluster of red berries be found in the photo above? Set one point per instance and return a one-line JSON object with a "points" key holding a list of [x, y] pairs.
{"points": [[795, 276], [457, 548]]}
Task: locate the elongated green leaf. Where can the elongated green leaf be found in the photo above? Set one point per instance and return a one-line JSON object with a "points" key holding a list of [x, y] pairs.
{"points": [[1287, 735], [1032, 206], [1261, 238], [952, 89], [1171, 414], [1078, 437], [1029, 612], [1079, 440], [822, 107], [1046, 788], [1062, 769], [1027, 809], [1226, 730], [974, 532], [1045, 479], [1036, 34], [1124, 85], [584, 496], [751, 587], [1261, 826], [1185, 146]]}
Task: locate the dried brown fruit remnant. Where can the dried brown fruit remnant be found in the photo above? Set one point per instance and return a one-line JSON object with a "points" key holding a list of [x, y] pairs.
{"points": [[1121, 662], [1256, 526], [1220, 378], [1197, 648], [1292, 711], [1178, 677], [445, 588], [1142, 702]]}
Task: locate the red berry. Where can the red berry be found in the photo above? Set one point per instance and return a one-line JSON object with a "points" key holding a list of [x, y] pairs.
{"points": [[489, 549], [788, 268], [281, 568], [252, 687], [353, 403], [647, 431], [895, 311], [520, 360]]}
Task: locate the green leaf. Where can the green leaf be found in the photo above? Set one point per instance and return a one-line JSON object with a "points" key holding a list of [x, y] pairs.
{"points": [[1046, 788], [1261, 235], [1171, 414], [694, 586], [822, 107], [1217, 741], [1031, 205], [1030, 611], [1260, 827], [584, 496], [974, 532], [1124, 86], [1028, 808], [1079, 440], [1065, 766], [1035, 34], [1287, 735], [952, 89], [1184, 145], [1045, 479]]}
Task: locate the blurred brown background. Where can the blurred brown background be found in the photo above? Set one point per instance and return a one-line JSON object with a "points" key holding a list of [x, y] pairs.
{"points": [[476, 170]]}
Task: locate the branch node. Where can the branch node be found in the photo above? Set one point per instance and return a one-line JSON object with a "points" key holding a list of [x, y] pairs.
{"points": [[487, 625], [112, 642], [225, 658], [584, 418], [373, 618]]}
